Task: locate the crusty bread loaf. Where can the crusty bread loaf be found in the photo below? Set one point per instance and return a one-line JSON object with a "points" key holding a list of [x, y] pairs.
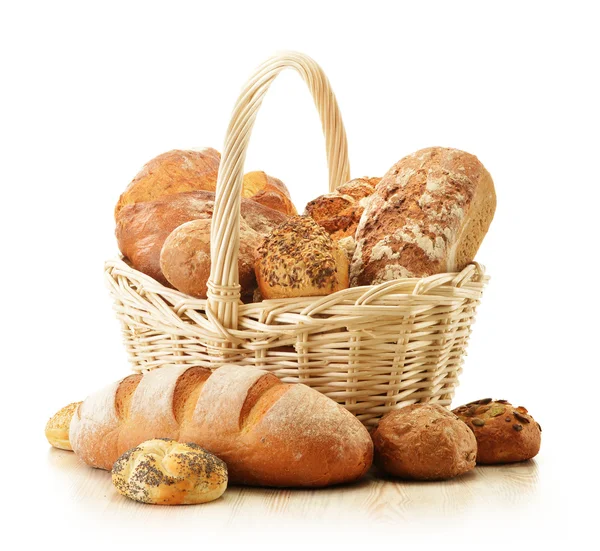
{"points": [[428, 215], [165, 472], [424, 442], [339, 212], [175, 171], [299, 259], [504, 433], [268, 191], [183, 170], [142, 228], [185, 258], [57, 428], [267, 432]]}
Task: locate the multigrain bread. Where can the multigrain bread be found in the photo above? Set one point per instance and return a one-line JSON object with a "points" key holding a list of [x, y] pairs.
{"points": [[424, 442], [142, 228], [267, 432], [165, 472], [185, 258], [339, 212], [504, 433], [299, 259], [183, 170], [428, 215], [57, 428]]}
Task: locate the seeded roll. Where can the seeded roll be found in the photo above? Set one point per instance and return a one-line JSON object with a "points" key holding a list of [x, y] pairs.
{"points": [[504, 433], [300, 259], [165, 472], [57, 428], [424, 442]]}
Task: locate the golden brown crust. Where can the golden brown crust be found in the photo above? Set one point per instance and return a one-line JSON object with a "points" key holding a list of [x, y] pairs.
{"points": [[142, 228], [268, 191], [175, 171], [428, 215], [424, 442], [339, 212], [299, 259], [504, 433], [185, 258], [165, 472], [269, 433], [57, 428]]}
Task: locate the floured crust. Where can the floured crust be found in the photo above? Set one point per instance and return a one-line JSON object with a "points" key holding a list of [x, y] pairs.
{"points": [[428, 215], [269, 433], [299, 259], [424, 442], [504, 433]]}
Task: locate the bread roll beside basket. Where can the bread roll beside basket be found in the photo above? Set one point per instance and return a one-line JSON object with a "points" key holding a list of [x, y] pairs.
{"points": [[372, 349]]}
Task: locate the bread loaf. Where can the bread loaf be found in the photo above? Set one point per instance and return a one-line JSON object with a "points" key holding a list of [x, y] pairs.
{"points": [[299, 259], [57, 428], [183, 170], [428, 215], [339, 212], [185, 258], [504, 433], [175, 171], [268, 191], [267, 432], [424, 442], [142, 228], [165, 472]]}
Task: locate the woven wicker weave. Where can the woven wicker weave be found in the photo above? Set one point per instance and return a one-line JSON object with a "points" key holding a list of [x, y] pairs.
{"points": [[372, 349]]}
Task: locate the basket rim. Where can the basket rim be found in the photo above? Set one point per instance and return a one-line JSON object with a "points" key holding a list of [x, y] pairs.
{"points": [[472, 278]]}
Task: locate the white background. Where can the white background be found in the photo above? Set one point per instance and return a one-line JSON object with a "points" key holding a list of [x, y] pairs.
{"points": [[91, 91]]}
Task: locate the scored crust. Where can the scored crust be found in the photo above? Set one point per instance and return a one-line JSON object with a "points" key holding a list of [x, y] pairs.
{"points": [[269, 433]]}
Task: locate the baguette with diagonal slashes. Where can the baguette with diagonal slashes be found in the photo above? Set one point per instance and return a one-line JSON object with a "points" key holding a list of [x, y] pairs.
{"points": [[267, 432]]}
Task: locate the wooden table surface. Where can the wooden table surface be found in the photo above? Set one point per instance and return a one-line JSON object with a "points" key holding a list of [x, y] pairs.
{"points": [[508, 503]]}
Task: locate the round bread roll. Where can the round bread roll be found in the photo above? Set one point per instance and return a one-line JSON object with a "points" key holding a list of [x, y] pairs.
{"points": [[339, 212], [299, 259], [57, 428], [424, 442], [142, 228], [183, 170], [185, 258], [165, 472], [504, 433]]}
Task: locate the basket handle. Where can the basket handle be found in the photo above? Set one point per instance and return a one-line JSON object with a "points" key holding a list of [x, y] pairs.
{"points": [[223, 285]]}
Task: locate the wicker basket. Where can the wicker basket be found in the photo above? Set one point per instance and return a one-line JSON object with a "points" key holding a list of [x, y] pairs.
{"points": [[372, 349]]}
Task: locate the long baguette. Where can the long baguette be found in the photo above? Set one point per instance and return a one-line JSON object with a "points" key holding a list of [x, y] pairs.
{"points": [[269, 433]]}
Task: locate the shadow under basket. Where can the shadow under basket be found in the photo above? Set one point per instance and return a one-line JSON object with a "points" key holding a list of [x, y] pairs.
{"points": [[371, 349]]}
